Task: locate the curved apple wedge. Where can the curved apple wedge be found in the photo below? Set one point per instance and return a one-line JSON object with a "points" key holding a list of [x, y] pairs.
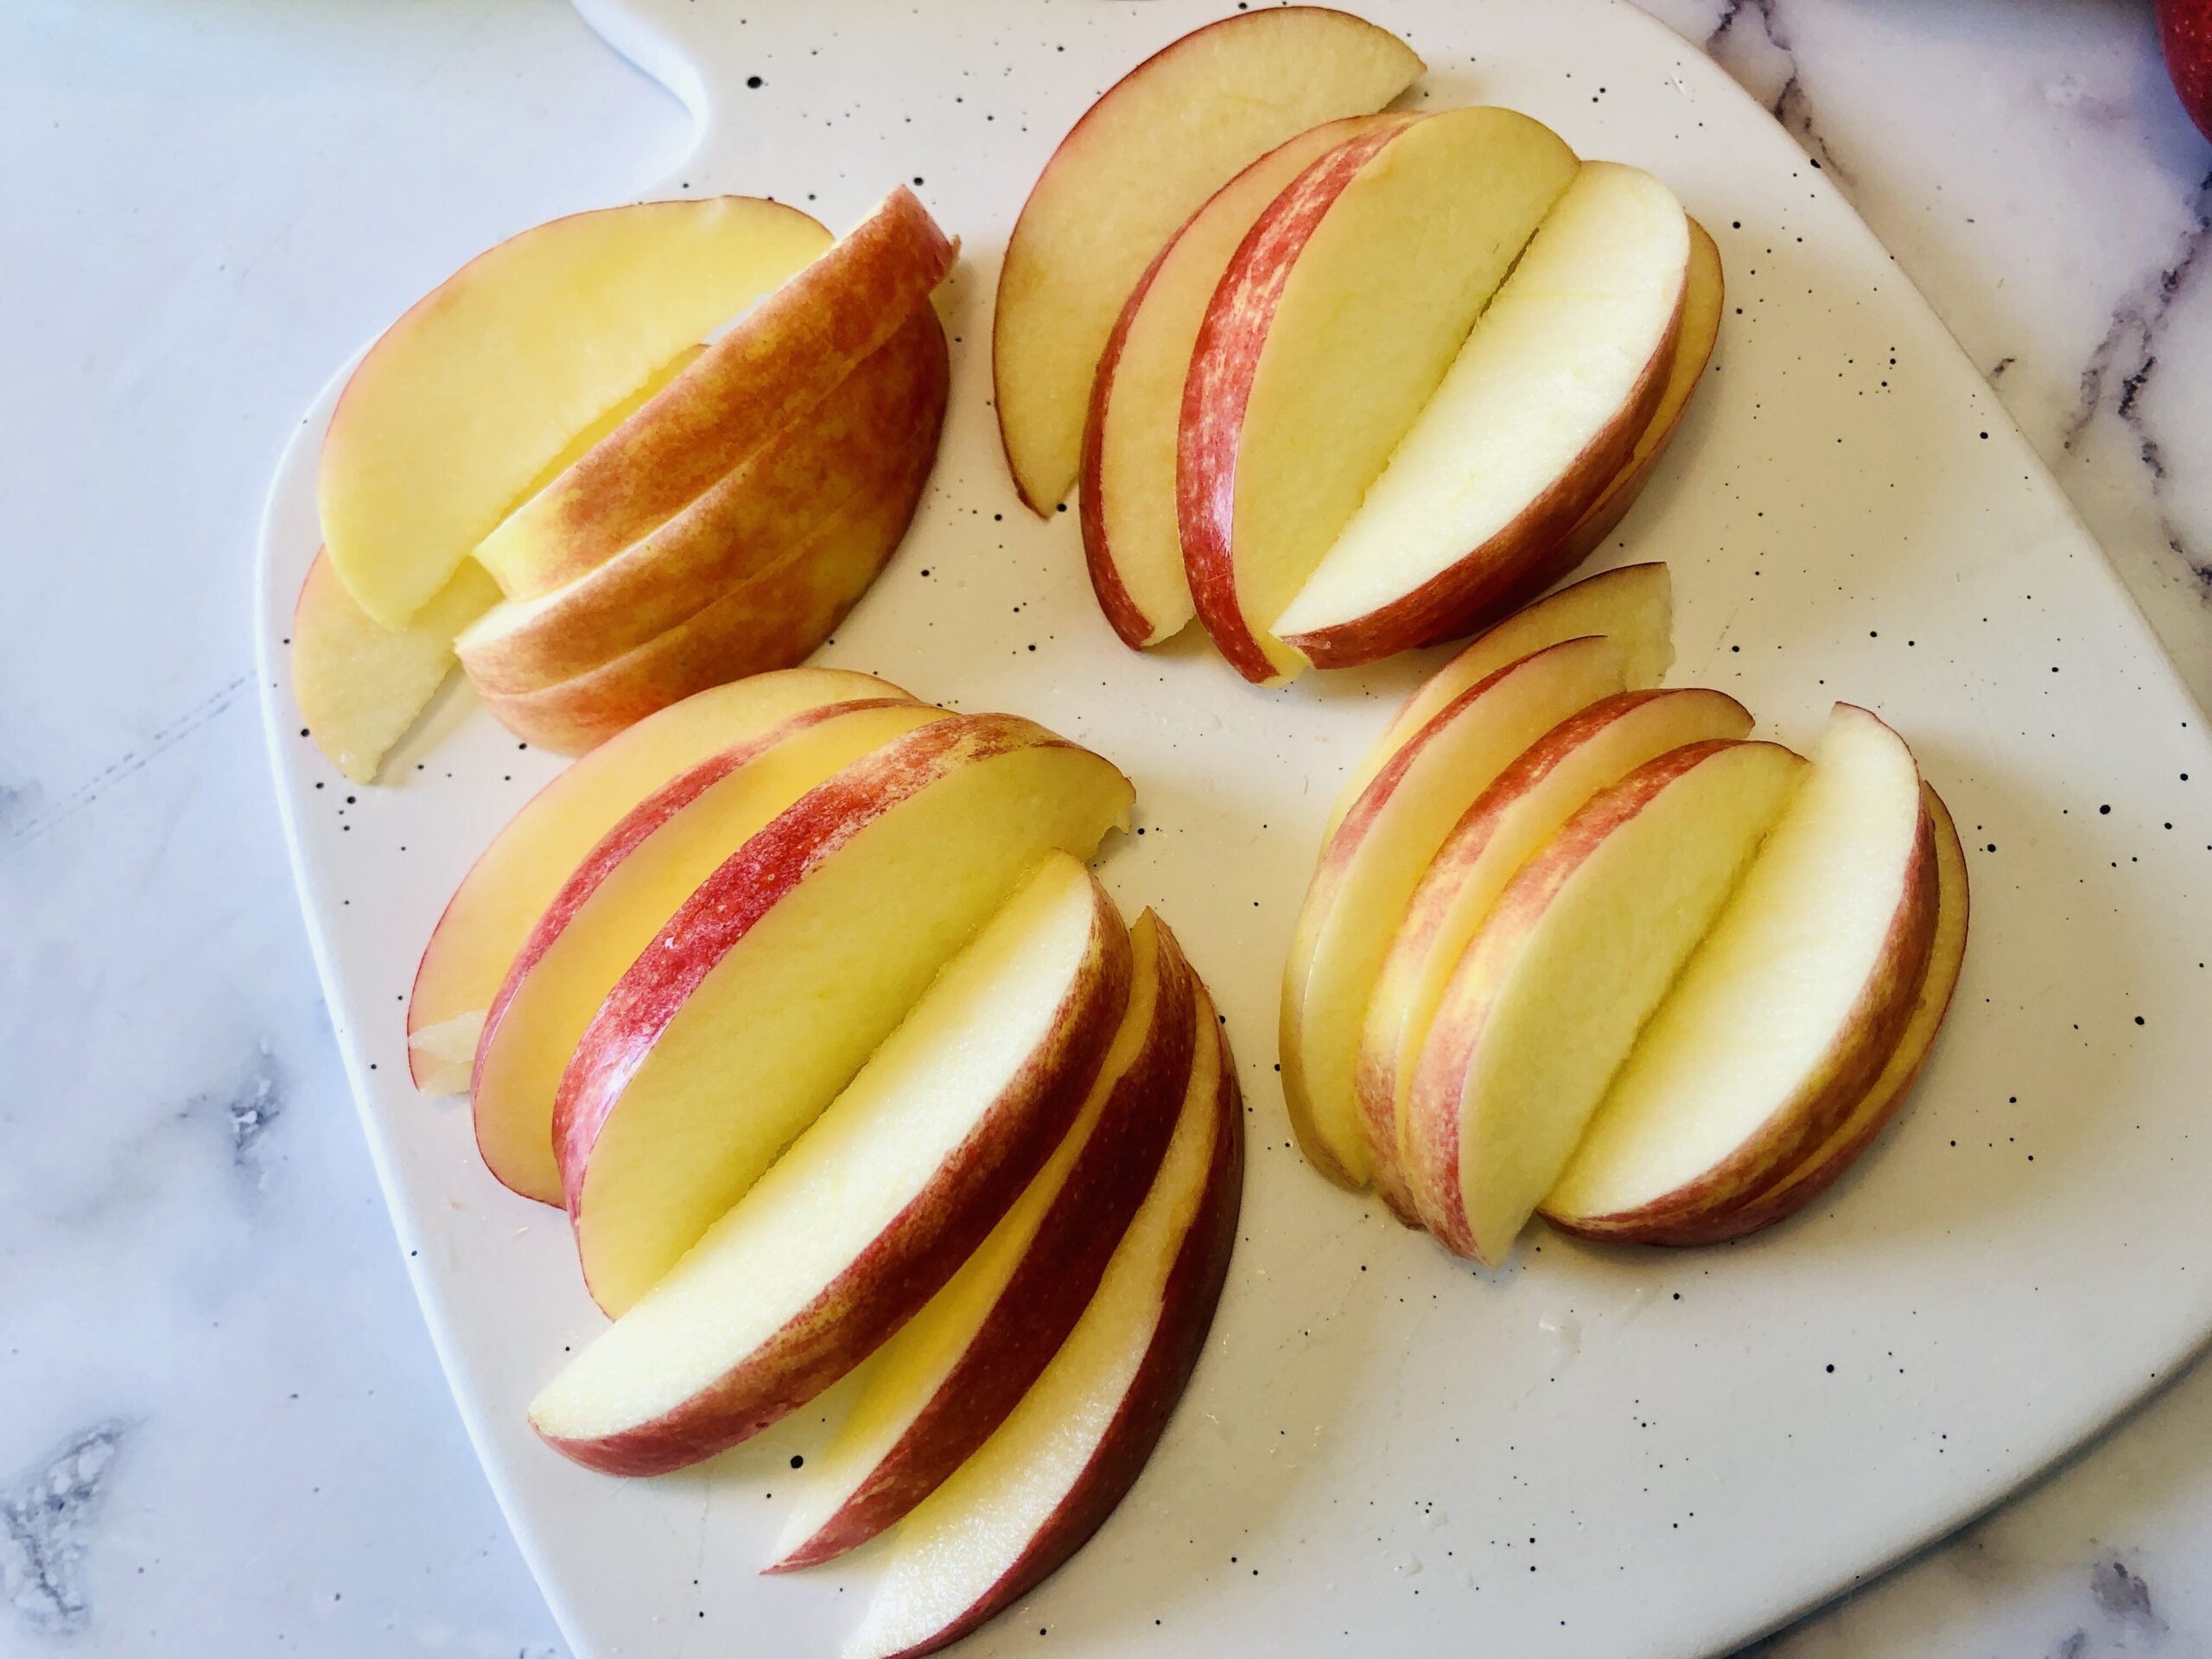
{"points": [[875, 1206], [1523, 808], [621, 895], [1785, 1015], [508, 887], [763, 995], [1367, 874], [1572, 960], [936, 1390], [1036, 1490]]}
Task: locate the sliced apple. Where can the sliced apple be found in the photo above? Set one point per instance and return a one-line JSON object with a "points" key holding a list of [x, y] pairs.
{"points": [[499, 900], [1131, 542], [360, 684], [764, 994], [936, 1390], [461, 405], [1289, 415], [1367, 874], [1541, 408], [875, 1206], [1634, 605], [771, 369], [1572, 960], [618, 898], [1785, 1015], [1141, 159], [1035, 1492]]}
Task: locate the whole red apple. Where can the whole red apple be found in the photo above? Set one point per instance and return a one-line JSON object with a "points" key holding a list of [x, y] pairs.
{"points": [[2185, 31]]}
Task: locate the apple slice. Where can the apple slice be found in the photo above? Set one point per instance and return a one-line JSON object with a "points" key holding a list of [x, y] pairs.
{"points": [[936, 1390], [462, 404], [1541, 408], [1520, 809], [1367, 874], [1035, 1492], [875, 1206], [1634, 605], [770, 370], [1778, 1198], [1141, 159], [360, 684], [1131, 542], [1784, 1016], [764, 994], [619, 898], [1288, 415], [499, 900], [1574, 958]]}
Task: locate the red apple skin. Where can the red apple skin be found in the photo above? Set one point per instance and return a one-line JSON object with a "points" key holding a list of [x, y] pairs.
{"points": [[1512, 567], [2185, 35], [1050, 1288], [1193, 1291], [906, 1264], [1129, 623], [1224, 364]]}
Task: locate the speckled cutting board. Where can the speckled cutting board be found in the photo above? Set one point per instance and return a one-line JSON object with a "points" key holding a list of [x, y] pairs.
{"points": [[1596, 1452]]}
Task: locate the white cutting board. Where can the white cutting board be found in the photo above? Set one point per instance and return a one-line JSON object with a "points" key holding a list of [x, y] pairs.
{"points": [[1596, 1452]]}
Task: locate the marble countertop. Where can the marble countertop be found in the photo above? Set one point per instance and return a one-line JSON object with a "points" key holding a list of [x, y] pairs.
{"points": [[224, 1430]]}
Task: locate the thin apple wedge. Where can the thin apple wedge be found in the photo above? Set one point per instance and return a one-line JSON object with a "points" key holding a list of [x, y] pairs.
{"points": [[1784, 1016], [875, 1206], [1570, 963], [1289, 415], [1367, 874], [764, 995], [1035, 1492], [1521, 809], [1141, 161], [508, 887], [621, 895], [936, 1390]]}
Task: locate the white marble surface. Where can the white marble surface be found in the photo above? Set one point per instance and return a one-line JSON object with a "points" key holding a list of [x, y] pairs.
{"points": [[221, 1429]]}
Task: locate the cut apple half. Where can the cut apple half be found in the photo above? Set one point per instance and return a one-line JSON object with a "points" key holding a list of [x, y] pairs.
{"points": [[507, 889], [1289, 414], [1132, 544], [1520, 811], [1367, 874], [1570, 963], [621, 896], [1785, 1015], [1634, 605], [360, 684], [1048, 1478], [1541, 409], [457, 411], [875, 1206], [1142, 159], [936, 1390], [764, 995]]}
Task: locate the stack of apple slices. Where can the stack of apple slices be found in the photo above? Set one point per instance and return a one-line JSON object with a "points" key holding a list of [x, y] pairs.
{"points": [[1341, 389], [617, 459], [798, 997], [1579, 945]]}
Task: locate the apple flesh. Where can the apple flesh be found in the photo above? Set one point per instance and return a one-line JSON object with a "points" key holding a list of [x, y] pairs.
{"points": [[1289, 415], [618, 898], [1367, 874], [1140, 162], [1541, 408], [936, 1390], [1784, 1015], [1570, 963], [875, 1206], [1035, 1492], [508, 888], [763, 995]]}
